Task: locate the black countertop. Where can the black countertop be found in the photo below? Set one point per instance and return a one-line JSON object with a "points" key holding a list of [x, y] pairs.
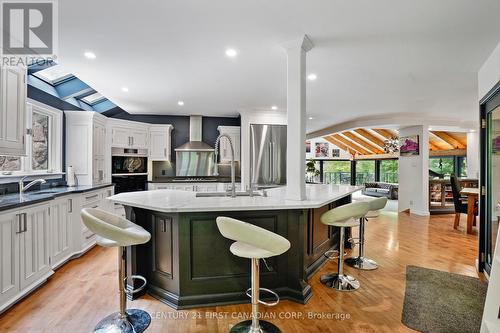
{"points": [[15, 200]]}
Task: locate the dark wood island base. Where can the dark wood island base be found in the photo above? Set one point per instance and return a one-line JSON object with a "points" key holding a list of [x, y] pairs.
{"points": [[187, 262]]}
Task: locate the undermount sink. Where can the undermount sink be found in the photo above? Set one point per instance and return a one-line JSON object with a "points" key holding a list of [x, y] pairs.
{"points": [[42, 192], [228, 194]]}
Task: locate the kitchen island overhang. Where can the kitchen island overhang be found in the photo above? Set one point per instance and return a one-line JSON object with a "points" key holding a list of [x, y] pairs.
{"points": [[188, 264]]}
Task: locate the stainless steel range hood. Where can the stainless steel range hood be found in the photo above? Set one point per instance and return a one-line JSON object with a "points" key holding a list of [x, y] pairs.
{"points": [[195, 134], [194, 158]]}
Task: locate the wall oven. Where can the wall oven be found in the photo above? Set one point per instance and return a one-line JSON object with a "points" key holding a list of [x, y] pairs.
{"points": [[129, 169]]}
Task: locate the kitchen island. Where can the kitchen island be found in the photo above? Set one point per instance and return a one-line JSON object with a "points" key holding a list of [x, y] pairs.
{"points": [[188, 263]]}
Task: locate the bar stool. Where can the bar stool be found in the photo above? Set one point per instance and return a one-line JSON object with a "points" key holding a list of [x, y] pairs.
{"points": [[115, 231], [342, 217], [361, 262], [254, 243]]}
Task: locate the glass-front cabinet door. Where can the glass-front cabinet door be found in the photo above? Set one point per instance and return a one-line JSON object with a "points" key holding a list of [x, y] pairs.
{"points": [[490, 179]]}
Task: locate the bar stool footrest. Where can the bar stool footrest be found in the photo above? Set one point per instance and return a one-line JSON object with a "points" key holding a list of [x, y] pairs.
{"points": [[135, 277], [332, 254], [249, 294]]}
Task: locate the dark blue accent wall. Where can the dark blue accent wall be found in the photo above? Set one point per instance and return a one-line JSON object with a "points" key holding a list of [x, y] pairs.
{"points": [[180, 133]]}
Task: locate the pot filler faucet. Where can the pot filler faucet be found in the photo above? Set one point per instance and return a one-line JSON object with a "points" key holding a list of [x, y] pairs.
{"points": [[216, 168], [23, 188]]}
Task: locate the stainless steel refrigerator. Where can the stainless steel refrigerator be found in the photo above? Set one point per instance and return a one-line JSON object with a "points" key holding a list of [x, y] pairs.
{"points": [[268, 155]]}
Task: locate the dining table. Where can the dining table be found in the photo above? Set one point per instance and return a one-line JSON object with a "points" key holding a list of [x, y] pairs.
{"points": [[472, 196]]}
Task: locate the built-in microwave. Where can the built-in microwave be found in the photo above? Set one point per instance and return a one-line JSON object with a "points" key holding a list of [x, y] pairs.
{"points": [[125, 161]]}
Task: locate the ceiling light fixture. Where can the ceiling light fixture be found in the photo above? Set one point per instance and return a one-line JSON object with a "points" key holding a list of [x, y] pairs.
{"points": [[472, 130], [89, 55], [312, 77], [180, 103], [231, 53], [311, 118], [274, 107], [124, 89]]}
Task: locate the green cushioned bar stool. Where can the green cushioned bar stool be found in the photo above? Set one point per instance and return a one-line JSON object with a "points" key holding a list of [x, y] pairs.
{"points": [[254, 243], [115, 231], [361, 262], [342, 217]]}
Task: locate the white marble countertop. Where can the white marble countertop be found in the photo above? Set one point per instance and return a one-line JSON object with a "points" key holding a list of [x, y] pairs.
{"points": [[170, 201]]}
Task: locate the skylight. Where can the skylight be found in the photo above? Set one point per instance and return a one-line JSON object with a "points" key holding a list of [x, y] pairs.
{"points": [[53, 75], [93, 99]]}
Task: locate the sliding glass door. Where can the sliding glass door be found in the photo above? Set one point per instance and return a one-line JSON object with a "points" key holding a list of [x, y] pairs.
{"points": [[490, 179]]}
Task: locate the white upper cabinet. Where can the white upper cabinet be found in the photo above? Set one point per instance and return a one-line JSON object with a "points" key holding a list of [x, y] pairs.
{"points": [[128, 134], [160, 142], [86, 147], [12, 111], [224, 147]]}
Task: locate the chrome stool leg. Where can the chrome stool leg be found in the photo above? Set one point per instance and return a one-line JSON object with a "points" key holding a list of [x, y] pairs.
{"points": [[340, 281], [124, 321], [255, 325], [361, 262]]}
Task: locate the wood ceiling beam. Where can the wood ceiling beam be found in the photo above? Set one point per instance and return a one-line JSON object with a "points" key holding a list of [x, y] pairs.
{"points": [[367, 135], [449, 139], [448, 152], [387, 134], [433, 146], [351, 144], [340, 145], [366, 145]]}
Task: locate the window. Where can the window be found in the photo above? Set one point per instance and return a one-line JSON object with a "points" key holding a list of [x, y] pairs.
{"points": [[389, 171], [365, 171], [462, 164], [43, 144], [53, 75], [337, 172], [93, 99], [39, 141], [442, 167]]}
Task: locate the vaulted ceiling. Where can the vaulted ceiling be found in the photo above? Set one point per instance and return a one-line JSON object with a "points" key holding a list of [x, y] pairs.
{"points": [[370, 57], [370, 142]]}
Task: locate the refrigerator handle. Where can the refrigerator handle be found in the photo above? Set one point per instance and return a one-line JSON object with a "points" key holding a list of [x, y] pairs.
{"points": [[270, 161]]}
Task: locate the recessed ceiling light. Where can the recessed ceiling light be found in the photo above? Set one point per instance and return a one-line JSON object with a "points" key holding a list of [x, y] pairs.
{"points": [[89, 55], [180, 103], [472, 130], [311, 118], [312, 77], [124, 89], [274, 107], [231, 53]]}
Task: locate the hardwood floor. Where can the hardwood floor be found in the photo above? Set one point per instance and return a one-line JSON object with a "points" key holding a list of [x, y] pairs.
{"points": [[85, 290]]}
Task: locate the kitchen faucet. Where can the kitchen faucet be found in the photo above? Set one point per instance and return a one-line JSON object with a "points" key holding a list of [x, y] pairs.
{"points": [[23, 188], [216, 168]]}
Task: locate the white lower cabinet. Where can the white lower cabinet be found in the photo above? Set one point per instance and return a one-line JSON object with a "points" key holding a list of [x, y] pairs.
{"points": [[36, 239], [25, 251], [61, 216], [34, 244], [9, 256]]}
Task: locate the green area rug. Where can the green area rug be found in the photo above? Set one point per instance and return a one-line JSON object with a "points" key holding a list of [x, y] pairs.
{"points": [[444, 302]]}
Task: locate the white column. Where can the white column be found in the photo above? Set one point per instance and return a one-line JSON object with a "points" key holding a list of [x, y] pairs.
{"points": [[473, 155], [296, 117], [413, 193]]}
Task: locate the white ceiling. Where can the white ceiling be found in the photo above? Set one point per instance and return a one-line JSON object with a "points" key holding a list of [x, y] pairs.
{"points": [[371, 57]]}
